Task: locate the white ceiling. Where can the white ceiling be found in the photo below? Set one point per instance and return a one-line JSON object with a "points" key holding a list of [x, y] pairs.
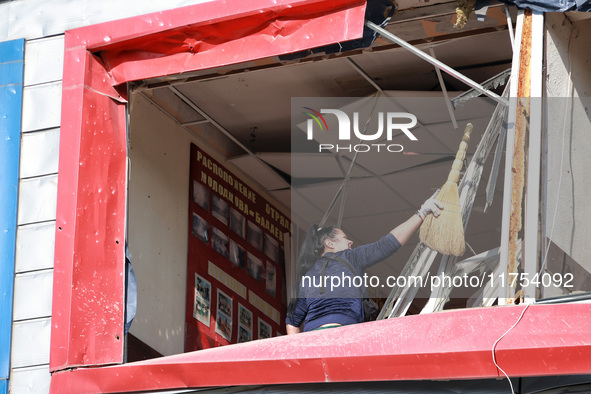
{"points": [[246, 115]]}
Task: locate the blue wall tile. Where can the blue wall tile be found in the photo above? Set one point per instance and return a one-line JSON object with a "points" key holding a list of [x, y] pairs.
{"points": [[11, 98]]}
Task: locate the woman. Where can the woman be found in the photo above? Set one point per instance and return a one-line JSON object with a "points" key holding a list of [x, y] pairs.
{"points": [[327, 258]]}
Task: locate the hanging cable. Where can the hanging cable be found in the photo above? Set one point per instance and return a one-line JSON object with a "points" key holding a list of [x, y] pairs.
{"points": [[498, 340]]}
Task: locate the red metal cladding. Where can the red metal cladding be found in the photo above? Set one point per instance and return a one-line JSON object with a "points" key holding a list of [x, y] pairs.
{"points": [[265, 34], [88, 308], [87, 319], [551, 339], [120, 33], [219, 33]]}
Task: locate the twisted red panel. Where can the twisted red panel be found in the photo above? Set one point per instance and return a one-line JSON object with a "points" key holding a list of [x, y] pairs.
{"points": [[549, 340]]}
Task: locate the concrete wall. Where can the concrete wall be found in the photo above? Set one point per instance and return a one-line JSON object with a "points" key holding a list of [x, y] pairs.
{"points": [[568, 143]]}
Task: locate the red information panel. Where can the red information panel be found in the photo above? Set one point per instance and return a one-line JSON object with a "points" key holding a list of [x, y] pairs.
{"points": [[235, 260]]}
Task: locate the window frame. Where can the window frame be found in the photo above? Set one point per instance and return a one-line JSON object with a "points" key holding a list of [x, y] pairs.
{"points": [[99, 60]]}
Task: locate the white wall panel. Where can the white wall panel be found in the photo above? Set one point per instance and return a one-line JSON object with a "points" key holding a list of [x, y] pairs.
{"points": [[568, 87], [30, 342], [42, 106], [32, 295], [37, 199], [39, 153], [4, 22], [33, 380], [44, 60], [41, 18], [160, 153], [35, 246]]}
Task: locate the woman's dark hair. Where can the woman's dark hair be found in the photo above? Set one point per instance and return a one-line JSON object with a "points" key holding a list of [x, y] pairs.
{"points": [[312, 249]]}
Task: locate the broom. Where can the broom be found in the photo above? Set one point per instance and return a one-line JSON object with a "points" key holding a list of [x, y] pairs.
{"points": [[445, 233]]}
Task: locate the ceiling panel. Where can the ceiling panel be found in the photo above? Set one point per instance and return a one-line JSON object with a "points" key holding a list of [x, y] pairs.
{"points": [[255, 108], [261, 173], [451, 137]]}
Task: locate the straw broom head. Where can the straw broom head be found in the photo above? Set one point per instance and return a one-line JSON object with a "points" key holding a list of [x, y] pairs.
{"points": [[445, 233]]}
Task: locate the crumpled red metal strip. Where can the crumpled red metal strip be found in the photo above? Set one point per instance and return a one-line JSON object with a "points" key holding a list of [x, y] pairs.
{"points": [[549, 340], [88, 291], [270, 32]]}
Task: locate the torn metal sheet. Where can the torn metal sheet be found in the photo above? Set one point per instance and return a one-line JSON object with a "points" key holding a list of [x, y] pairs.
{"points": [[552, 5], [88, 291], [215, 40], [491, 83], [377, 11], [480, 265]]}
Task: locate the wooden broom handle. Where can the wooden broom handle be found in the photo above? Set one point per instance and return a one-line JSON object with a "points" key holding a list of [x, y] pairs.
{"points": [[454, 174]]}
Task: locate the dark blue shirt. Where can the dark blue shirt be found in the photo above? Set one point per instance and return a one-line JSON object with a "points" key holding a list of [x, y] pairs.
{"points": [[318, 305]]}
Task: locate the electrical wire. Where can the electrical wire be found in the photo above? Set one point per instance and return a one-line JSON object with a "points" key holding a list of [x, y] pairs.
{"points": [[498, 340]]}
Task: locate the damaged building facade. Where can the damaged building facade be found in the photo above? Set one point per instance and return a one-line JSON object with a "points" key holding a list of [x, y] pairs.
{"points": [[158, 180]]}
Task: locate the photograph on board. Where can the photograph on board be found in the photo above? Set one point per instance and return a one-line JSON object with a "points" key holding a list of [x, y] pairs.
{"points": [[244, 335], [271, 248], [254, 235], [220, 209], [237, 254], [219, 241], [200, 228], [237, 222], [224, 315], [244, 317], [264, 330], [224, 303], [254, 266], [270, 279], [202, 304], [201, 195], [223, 326]]}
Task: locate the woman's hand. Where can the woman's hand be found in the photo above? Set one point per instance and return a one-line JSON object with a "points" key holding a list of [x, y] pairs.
{"points": [[430, 206]]}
